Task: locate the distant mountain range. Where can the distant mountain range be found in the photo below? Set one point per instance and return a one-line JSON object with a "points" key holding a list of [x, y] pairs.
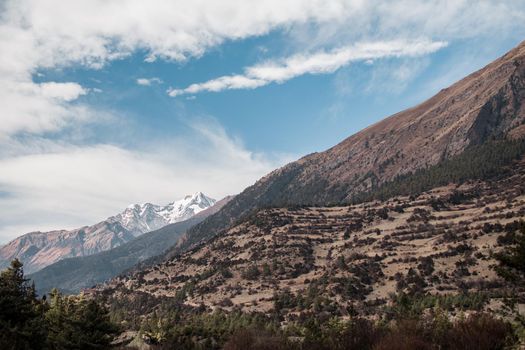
{"points": [[39, 249], [142, 218], [72, 274]]}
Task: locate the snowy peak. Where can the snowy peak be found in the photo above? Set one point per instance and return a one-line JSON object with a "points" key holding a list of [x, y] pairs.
{"points": [[40, 249], [142, 218]]}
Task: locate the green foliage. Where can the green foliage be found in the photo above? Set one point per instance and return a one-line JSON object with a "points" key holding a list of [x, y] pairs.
{"points": [[407, 306], [512, 259], [411, 322], [182, 330], [476, 162], [27, 322], [75, 322], [21, 312]]}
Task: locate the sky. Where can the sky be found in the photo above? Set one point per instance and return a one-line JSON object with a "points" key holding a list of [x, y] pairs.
{"points": [[111, 102]]}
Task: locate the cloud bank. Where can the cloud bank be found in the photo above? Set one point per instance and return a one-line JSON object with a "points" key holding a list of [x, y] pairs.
{"points": [[50, 34]]}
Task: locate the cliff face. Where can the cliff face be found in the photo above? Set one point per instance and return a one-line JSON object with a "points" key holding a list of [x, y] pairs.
{"points": [[485, 105]]}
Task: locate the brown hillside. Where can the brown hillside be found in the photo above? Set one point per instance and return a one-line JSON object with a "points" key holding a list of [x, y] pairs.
{"points": [[347, 257], [485, 105]]}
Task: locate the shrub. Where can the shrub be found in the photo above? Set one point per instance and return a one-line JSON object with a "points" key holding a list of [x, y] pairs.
{"points": [[256, 340], [481, 332], [251, 272]]}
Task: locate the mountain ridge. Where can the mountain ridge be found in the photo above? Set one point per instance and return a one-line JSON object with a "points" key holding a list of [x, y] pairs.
{"points": [[39, 249], [487, 104], [70, 275]]}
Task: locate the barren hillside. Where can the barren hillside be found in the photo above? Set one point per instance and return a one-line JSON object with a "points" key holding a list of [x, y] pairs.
{"points": [[345, 258], [487, 104]]}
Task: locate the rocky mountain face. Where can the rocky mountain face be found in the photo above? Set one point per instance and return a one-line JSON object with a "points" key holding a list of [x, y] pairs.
{"points": [[141, 218], [346, 259], [39, 249], [488, 104], [72, 274]]}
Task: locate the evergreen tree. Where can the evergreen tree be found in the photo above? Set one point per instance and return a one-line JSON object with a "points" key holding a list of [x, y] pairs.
{"points": [[512, 260], [78, 323], [21, 313], [66, 323]]}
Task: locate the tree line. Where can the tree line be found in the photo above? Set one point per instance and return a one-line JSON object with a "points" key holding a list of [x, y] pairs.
{"points": [[476, 162], [59, 322]]}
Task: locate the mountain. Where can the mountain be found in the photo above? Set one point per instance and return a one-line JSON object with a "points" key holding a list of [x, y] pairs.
{"points": [[345, 260], [70, 275], [405, 222], [470, 131], [39, 249], [141, 218], [485, 105]]}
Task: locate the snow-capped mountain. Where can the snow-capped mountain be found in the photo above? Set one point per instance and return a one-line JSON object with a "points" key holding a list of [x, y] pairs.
{"points": [[40, 249], [141, 218]]}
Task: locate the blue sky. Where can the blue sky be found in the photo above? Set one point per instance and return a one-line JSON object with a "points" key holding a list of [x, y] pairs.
{"points": [[112, 103]]}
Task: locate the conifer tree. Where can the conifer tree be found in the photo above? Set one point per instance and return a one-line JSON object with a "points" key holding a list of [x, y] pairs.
{"points": [[21, 313]]}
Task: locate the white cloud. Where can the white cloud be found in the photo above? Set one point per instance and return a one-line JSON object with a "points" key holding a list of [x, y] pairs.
{"points": [[61, 91], [52, 184], [38, 34], [149, 81], [317, 63], [36, 108]]}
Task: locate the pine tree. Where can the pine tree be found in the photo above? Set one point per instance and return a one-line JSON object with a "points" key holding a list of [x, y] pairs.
{"points": [[67, 322], [512, 260], [21, 313], [78, 323]]}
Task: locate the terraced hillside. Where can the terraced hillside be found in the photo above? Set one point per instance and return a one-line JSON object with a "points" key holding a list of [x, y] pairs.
{"points": [[485, 105], [346, 259]]}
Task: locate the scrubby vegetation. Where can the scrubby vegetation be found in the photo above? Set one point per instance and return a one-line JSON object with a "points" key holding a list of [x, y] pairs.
{"points": [[409, 323], [411, 272], [512, 261], [476, 162]]}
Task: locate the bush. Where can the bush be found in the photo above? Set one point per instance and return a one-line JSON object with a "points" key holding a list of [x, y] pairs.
{"points": [[481, 332], [405, 335], [251, 272], [256, 340]]}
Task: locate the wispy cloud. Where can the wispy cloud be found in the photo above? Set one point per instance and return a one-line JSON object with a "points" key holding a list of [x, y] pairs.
{"points": [[149, 81], [55, 185], [47, 34], [321, 62]]}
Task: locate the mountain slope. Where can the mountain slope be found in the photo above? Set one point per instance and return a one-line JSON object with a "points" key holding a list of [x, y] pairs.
{"points": [[39, 249], [487, 104], [332, 261], [73, 274]]}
